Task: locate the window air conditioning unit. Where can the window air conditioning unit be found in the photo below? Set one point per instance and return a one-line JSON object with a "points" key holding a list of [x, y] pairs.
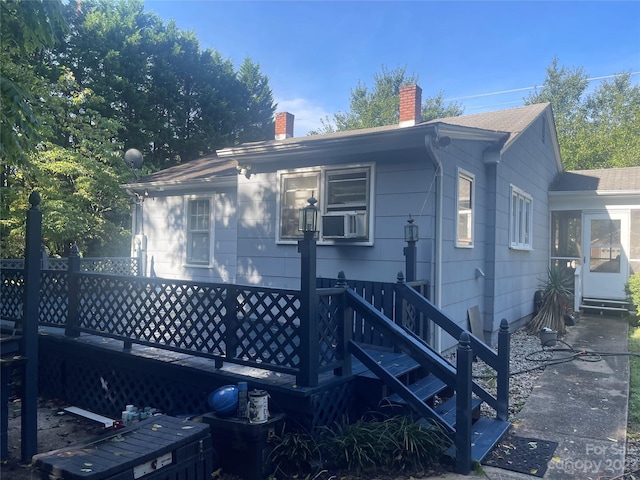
{"points": [[344, 225]]}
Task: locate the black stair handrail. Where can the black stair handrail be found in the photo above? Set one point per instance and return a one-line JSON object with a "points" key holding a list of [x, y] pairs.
{"points": [[498, 361], [416, 403], [460, 378], [400, 338]]}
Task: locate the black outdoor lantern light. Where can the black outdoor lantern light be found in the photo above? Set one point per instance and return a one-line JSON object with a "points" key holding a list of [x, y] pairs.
{"points": [[410, 251], [308, 222], [410, 231]]}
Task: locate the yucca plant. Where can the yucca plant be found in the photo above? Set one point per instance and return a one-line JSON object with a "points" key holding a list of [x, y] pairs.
{"points": [[555, 301]]}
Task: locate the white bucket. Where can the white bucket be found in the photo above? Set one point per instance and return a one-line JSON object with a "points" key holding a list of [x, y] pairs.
{"points": [[258, 406]]}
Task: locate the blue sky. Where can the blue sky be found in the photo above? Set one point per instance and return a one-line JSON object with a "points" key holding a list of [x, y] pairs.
{"points": [[315, 52]]}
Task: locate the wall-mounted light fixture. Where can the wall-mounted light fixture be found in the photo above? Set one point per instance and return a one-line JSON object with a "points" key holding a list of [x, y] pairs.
{"points": [[244, 170]]}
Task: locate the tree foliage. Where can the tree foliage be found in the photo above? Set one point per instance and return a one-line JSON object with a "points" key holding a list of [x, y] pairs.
{"points": [[27, 29], [598, 129], [381, 105], [175, 101], [82, 81]]}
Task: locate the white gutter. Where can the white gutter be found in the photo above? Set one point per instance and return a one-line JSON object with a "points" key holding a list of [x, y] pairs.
{"points": [[430, 144]]}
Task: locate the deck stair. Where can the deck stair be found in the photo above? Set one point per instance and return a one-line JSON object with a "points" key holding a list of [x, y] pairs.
{"points": [[605, 305], [421, 383]]}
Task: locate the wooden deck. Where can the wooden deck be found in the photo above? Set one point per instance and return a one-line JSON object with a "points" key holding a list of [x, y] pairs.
{"points": [[98, 374]]}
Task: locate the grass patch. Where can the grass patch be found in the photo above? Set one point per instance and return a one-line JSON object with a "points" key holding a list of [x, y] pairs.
{"points": [[633, 427]]}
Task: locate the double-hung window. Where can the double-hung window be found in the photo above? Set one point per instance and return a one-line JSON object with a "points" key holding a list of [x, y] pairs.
{"points": [[344, 197], [464, 206], [198, 231], [295, 190], [521, 219]]}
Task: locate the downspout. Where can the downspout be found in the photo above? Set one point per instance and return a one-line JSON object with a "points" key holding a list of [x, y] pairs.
{"points": [[431, 142]]}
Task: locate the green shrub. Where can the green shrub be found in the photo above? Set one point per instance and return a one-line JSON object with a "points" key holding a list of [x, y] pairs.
{"points": [[633, 290]]}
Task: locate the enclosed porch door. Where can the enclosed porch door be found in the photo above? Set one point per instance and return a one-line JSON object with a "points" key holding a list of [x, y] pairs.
{"points": [[606, 262]]}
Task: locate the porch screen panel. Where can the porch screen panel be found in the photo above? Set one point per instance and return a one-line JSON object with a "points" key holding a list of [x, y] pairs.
{"points": [[634, 250], [605, 246], [566, 234]]}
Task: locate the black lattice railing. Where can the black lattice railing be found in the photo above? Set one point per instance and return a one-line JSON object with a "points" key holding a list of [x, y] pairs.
{"points": [[54, 298], [330, 325], [246, 325], [267, 329], [185, 317], [11, 294]]}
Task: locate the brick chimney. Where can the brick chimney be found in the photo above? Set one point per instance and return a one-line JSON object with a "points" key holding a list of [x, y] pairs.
{"points": [[410, 105], [284, 125]]}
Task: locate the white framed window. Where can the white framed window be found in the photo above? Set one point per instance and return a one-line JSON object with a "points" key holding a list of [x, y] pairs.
{"points": [[465, 200], [521, 220], [198, 231], [344, 198]]}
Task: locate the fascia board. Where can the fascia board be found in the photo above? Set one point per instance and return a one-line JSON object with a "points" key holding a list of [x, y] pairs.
{"points": [[199, 184], [378, 141]]}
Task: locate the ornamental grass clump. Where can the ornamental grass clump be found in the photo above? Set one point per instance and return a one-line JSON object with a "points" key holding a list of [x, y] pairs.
{"points": [[556, 296], [394, 444]]}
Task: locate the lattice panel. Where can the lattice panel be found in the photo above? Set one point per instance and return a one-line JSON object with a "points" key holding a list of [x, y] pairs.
{"points": [[103, 389], [268, 326], [11, 294], [113, 266], [51, 373], [186, 317], [53, 298], [12, 263], [331, 407], [329, 321], [58, 264]]}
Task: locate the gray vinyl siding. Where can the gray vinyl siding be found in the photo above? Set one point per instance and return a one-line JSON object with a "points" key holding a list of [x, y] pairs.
{"points": [[165, 228], [401, 188], [461, 289], [529, 165]]}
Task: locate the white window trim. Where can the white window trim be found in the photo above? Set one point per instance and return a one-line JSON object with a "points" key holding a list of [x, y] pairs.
{"points": [[517, 245], [322, 202], [460, 173], [187, 199]]}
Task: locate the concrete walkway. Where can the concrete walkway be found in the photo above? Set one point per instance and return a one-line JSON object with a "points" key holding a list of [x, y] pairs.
{"points": [[582, 405]]}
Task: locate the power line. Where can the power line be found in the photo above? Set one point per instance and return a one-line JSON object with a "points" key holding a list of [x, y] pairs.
{"points": [[522, 89]]}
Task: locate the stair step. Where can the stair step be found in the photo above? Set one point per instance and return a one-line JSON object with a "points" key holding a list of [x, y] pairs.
{"points": [[447, 410], [397, 364], [604, 300], [485, 434], [602, 307], [424, 388]]}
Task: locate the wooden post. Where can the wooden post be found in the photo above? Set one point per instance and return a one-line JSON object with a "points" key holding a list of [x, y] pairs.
{"points": [[463, 404], [344, 329], [230, 324], [73, 301], [309, 355], [502, 386], [30, 316]]}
